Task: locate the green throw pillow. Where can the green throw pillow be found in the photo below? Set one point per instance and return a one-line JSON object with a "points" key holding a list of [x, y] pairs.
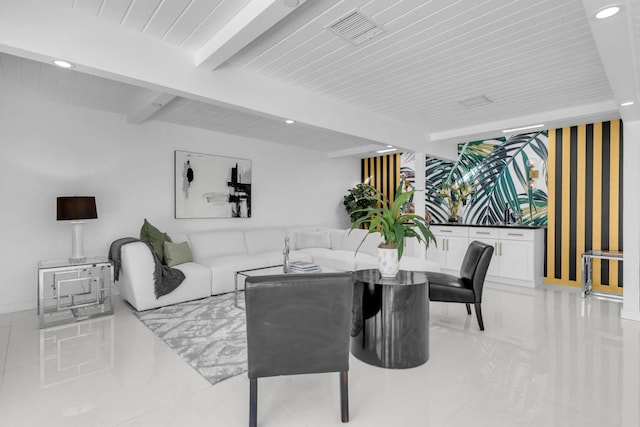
{"points": [[177, 253], [155, 238]]}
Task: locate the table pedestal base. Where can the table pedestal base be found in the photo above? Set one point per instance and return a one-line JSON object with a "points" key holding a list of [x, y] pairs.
{"points": [[391, 323]]}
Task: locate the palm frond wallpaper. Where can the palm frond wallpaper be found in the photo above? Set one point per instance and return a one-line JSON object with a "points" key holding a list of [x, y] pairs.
{"points": [[505, 174]]}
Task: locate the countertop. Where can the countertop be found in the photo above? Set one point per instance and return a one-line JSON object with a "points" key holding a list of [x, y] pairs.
{"points": [[458, 224]]}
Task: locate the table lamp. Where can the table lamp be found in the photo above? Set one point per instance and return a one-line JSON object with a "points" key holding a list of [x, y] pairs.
{"points": [[76, 209]]}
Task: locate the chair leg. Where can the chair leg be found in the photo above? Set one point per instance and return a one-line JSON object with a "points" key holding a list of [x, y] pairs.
{"points": [[344, 396], [253, 402], [468, 308], [479, 316]]}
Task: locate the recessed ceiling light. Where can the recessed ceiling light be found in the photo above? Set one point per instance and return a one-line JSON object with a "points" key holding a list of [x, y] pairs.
{"points": [[62, 64], [523, 128], [626, 104], [607, 12], [289, 121]]}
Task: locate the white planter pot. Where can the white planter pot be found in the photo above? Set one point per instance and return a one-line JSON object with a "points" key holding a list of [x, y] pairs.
{"points": [[388, 263]]}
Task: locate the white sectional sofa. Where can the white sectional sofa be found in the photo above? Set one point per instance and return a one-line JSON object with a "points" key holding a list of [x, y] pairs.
{"points": [[218, 254]]}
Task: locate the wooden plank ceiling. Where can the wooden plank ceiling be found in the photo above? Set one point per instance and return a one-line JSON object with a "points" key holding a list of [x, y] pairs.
{"points": [[523, 58]]}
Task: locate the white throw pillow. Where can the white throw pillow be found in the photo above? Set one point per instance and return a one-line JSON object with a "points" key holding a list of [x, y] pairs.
{"points": [[313, 239]]}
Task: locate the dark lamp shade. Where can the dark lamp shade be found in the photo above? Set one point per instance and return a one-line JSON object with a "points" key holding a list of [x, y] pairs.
{"points": [[72, 208]]}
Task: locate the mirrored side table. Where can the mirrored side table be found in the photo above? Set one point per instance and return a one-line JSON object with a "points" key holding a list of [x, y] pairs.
{"points": [[71, 291]]}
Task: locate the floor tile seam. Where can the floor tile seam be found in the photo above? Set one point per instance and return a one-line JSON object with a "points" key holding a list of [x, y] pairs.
{"points": [[6, 350], [4, 363]]}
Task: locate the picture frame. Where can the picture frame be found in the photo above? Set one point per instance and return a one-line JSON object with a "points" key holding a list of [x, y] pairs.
{"points": [[211, 186]]}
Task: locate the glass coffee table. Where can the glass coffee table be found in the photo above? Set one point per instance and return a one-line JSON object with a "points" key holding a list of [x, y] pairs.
{"points": [[269, 271]]}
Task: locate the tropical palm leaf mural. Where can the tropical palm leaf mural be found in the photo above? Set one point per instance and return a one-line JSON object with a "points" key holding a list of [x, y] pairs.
{"points": [[500, 173]]}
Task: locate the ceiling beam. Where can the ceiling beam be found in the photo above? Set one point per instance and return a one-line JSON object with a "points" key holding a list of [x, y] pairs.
{"points": [[572, 116], [42, 31], [147, 106], [253, 20], [363, 151]]}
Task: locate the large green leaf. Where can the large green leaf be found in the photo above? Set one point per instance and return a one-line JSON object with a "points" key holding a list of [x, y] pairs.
{"points": [[495, 186]]}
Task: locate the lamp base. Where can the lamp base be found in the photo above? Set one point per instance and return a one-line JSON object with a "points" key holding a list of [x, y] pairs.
{"points": [[77, 242]]}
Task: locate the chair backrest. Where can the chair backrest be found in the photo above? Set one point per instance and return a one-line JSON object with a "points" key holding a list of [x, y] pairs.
{"points": [[475, 265], [298, 323]]}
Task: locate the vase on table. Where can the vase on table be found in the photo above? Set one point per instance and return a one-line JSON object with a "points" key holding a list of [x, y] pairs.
{"points": [[454, 217], [388, 263]]}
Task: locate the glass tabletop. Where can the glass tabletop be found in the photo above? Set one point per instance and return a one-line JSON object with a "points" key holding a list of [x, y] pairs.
{"points": [[279, 269], [262, 271]]}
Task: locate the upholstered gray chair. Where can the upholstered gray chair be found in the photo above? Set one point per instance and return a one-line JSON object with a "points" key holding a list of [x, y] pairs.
{"points": [[298, 324], [467, 288]]}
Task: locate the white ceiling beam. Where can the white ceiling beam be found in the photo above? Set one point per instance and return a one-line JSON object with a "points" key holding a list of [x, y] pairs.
{"points": [[363, 151], [616, 47], [147, 106], [253, 20], [572, 116], [41, 31]]}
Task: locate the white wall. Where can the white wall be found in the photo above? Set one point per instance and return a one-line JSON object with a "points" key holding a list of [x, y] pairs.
{"points": [[50, 149]]}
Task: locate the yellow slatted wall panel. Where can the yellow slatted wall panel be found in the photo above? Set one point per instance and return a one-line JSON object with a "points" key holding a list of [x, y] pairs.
{"points": [[383, 173], [585, 203]]}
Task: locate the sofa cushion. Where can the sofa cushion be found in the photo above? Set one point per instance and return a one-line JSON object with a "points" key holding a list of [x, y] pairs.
{"points": [[178, 237], [277, 257], [137, 286], [224, 268], [177, 253], [353, 238], [338, 259], [337, 236], [155, 238], [366, 261], [211, 244], [313, 239], [292, 233], [264, 240]]}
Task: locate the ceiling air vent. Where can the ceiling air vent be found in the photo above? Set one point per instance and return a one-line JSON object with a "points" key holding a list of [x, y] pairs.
{"points": [[476, 101], [356, 28]]}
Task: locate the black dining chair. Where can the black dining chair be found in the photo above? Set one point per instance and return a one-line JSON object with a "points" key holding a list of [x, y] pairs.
{"points": [[467, 288], [298, 324]]}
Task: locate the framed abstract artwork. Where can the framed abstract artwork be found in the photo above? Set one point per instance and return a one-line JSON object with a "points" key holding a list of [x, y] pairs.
{"points": [[208, 186]]}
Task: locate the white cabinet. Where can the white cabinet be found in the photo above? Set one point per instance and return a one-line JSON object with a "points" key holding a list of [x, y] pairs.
{"points": [[490, 236], [518, 253], [452, 243]]}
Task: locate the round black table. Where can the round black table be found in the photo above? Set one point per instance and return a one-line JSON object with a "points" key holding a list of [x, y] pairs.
{"points": [[390, 325]]}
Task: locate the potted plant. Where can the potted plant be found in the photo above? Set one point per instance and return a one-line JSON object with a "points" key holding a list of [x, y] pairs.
{"points": [[394, 226], [453, 195], [358, 198]]}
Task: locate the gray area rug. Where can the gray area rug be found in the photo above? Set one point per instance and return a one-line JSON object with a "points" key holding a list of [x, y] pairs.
{"points": [[209, 334]]}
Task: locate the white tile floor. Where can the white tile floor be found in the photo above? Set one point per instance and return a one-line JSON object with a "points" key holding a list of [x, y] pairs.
{"points": [[547, 358]]}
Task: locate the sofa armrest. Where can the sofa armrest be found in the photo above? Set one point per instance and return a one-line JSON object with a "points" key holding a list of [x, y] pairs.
{"points": [[136, 277]]}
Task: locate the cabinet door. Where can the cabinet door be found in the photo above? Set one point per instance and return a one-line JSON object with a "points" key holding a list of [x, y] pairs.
{"points": [[516, 259], [489, 236], [456, 249]]}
